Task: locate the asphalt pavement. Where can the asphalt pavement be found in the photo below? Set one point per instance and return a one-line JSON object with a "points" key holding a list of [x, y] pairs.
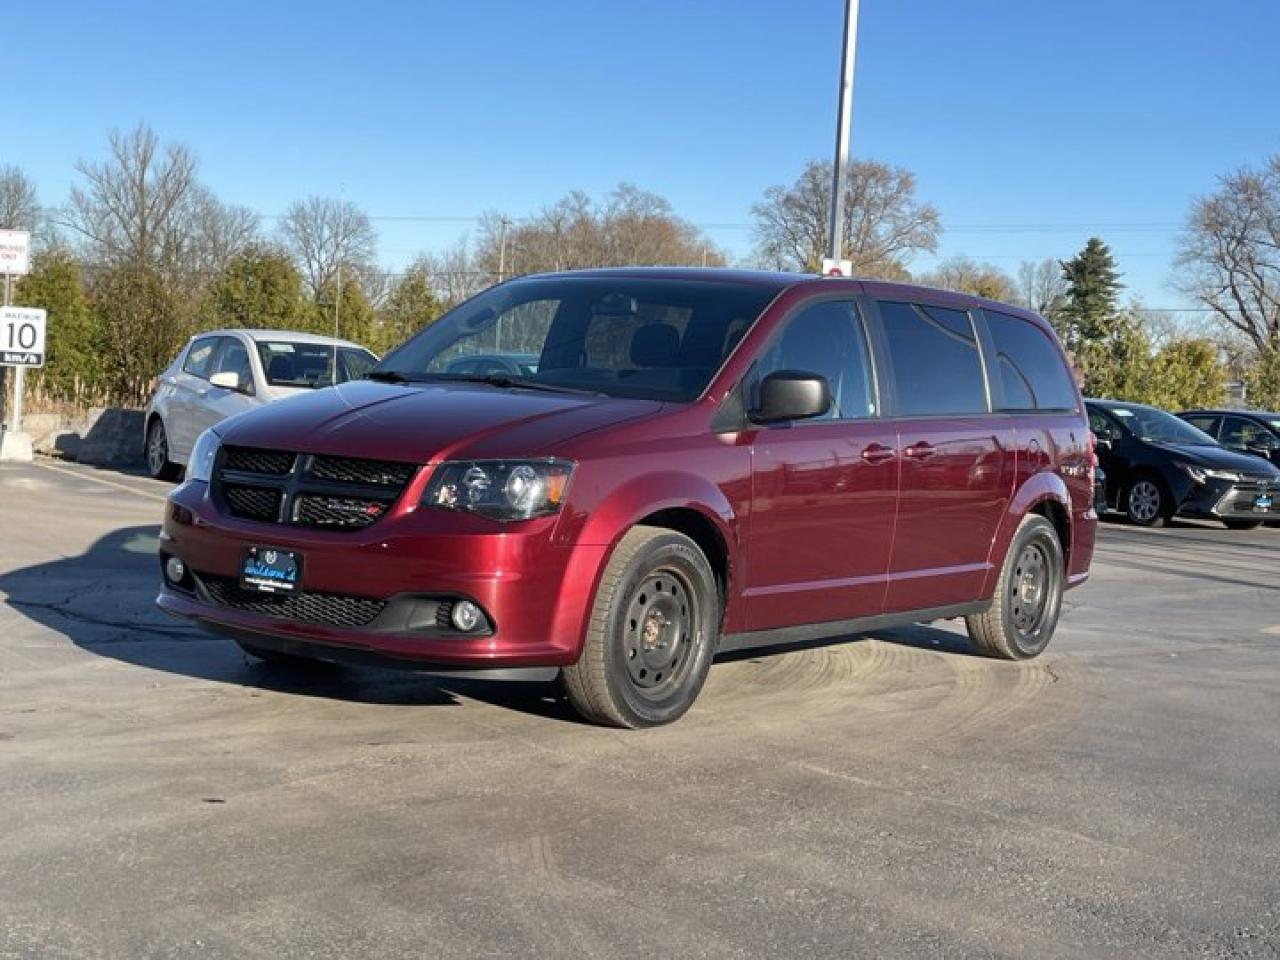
{"points": [[894, 795]]}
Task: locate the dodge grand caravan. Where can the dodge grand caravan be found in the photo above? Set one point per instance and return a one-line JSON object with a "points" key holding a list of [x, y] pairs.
{"points": [[704, 460]]}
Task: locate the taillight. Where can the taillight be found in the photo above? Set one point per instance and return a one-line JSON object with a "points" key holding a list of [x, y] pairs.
{"points": [[1092, 458]]}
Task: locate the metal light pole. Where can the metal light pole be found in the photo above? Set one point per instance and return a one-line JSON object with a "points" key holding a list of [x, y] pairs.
{"points": [[844, 116]]}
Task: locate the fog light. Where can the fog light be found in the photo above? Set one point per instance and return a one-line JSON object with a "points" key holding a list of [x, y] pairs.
{"points": [[175, 570], [465, 615]]}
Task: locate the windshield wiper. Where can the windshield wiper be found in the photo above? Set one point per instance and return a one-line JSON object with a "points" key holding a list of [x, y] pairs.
{"points": [[507, 382], [387, 376]]}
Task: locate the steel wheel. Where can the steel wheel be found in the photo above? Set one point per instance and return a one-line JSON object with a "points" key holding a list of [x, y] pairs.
{"points": [[1030, 589], [1028, 597], [1145, 502], [653, 632], [662, 621]]}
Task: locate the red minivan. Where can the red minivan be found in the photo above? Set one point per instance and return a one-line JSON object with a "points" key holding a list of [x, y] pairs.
{"points": [[698, 461]]}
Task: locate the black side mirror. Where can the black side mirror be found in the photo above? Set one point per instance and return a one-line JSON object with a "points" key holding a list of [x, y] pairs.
{"points": [[792, 395]]}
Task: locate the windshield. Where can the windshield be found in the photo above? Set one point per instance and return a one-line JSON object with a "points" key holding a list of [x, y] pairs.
{"points": [[625, 337], [1147, 423], [288, 363]]}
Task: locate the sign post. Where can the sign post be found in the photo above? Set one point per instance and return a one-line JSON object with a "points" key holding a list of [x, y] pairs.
{"points": [[22, 338]]}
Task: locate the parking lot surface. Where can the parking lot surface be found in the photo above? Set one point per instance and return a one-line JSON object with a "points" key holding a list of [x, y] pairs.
{"points": [[163, 796]]}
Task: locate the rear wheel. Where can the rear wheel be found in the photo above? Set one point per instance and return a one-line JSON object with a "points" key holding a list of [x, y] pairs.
{"points": [[653, 633], [1028, 597], [1242, 524], [1145, 502], [158, 463]]}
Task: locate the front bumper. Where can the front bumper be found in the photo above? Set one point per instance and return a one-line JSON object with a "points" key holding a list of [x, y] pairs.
{"points": [[377, 593], [1228, 500]]}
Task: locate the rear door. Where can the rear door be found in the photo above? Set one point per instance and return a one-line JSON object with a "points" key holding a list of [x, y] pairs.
{"points": [[957, 457], [824, 491]]}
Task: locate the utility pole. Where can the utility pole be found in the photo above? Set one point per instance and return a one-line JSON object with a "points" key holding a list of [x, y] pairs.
{"points": [[844, 117], [504, 223]]}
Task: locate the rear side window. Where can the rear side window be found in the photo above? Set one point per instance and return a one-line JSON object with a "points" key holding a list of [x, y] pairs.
{"points": [[199, 357], [933, 353], [1029, 367], [1206, 422]]}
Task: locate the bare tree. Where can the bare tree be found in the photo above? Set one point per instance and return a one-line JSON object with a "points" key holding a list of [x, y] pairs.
{"points": [[214, 232], [133, 209], [885, 225], [1230, 254], [324, 234], [455, 274], [1042, 287], [969, 276], [631, 227], [19, 207]]}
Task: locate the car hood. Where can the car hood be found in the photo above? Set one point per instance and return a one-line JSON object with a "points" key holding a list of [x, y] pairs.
{"points": [[1220, 458], [423, 422]]}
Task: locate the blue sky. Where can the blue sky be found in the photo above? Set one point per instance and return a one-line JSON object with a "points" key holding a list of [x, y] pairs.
{"points": [[1030, 124]]}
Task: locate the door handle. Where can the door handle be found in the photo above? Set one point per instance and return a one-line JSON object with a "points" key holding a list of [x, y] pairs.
{"points": [[919, 451], [876, 453]]}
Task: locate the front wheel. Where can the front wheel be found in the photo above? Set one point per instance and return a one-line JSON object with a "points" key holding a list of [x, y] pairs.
{"points": [[159, 466], [1145, 502], [654, 628], [1024, 610]]}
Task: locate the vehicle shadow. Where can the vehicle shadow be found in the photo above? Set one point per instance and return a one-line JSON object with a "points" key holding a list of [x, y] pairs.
{"points": [[920, 635], [103, 601]]}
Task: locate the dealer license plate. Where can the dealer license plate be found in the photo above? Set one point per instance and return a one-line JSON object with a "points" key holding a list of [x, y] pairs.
{"points": [[268, 570]]}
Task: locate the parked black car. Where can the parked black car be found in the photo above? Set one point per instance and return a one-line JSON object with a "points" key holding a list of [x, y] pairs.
{"points": [[1245, 431], [1159, 466]]}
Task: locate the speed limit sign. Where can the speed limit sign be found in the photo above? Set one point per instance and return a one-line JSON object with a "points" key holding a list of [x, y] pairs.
{"points": [[22, 337]]}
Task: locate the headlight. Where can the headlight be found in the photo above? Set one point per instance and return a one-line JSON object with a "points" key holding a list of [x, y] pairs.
{"points": [[500, 489], [1201, 474], [200, 463]]}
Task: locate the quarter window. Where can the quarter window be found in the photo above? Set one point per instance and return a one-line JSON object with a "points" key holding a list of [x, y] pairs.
{"points": [[933, 352], [199, 356], [827, 339], [1031, 371]]}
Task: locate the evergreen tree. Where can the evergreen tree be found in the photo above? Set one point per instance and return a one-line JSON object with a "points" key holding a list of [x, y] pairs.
{"points": [[1093, 289], [1262, 378], [259, 287], [354, 313], [73, 367], [411, 306]]}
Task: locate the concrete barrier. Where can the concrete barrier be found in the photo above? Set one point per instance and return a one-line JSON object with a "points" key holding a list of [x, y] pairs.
{"points": [[104, 437]]}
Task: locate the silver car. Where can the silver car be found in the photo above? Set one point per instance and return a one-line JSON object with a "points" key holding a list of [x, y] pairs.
{"points": [[223, 372]]}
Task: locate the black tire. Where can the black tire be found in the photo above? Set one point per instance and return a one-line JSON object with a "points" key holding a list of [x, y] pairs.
{"points": [[1242, 524], [156, 451], [278, 659], [654, 629], [1146, 502], [1028, 597]]}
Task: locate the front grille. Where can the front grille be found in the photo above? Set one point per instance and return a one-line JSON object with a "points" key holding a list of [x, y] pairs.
{"points": [[253, 503], [380, 473], [307, 490], [328, 609], [347, 513], [252, 460]]}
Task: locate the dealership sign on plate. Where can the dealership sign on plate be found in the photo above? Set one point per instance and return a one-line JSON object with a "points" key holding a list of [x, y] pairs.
{"points": [[15, 252], [21, 337]]}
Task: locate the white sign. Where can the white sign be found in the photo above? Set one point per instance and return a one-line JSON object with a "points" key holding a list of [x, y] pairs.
{"points": [[15, 252], [22, 337], [837, 268]]}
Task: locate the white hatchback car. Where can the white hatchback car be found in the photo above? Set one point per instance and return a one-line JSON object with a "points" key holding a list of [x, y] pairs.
{"points": [[223, 372]]}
